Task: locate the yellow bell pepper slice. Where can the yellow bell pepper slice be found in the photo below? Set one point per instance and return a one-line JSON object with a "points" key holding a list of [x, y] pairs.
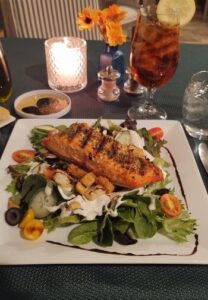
{"points": [[29, 215], [33, 229]]}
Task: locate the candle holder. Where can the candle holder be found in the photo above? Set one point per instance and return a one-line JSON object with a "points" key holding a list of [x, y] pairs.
{"points": [[66, 62]]}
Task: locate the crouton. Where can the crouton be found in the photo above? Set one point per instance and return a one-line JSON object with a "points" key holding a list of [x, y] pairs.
{"points": [[76, 171], [105, 183]]}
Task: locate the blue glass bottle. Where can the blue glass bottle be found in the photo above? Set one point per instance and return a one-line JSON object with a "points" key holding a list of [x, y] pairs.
{"points": [[112, 55]]}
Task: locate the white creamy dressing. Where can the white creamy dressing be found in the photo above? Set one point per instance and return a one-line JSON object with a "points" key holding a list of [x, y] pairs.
{"points": [[152, 205], [37, 168], [89, 209], [34, 168], [49, 189], [65, 192]]}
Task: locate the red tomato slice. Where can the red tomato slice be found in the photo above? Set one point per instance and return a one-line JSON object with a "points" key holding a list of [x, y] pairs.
{"points": [[156, 132], [170, 205], [23, 155]]}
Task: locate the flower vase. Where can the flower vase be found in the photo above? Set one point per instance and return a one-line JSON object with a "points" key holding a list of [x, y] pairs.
{"points": [[112, 55]]}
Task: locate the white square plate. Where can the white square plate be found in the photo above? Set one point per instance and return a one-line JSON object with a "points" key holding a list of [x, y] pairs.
{"points": [[159, 249]]}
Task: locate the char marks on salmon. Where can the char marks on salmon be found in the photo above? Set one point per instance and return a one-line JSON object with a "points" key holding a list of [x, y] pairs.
{"points": [[123, 165]]}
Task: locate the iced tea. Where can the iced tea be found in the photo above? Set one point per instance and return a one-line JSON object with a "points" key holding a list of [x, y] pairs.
{"points": [[154, 52]]}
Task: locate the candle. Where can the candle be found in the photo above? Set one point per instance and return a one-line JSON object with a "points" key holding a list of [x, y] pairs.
{"points": [[66, 63]]}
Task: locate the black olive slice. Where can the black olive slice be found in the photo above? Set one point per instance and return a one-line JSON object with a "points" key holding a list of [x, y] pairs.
{"points": [[31, 110], [13, 216], [162, 192], [51, 158]]}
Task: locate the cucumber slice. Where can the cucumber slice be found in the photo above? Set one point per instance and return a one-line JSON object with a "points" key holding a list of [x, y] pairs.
{"points": [[123, 137], [45, 127], [40, 201]]}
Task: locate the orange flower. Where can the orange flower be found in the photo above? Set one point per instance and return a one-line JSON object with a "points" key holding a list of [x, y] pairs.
{"points": [[108, 21], [102, 24], [115, 34], [113, 14], [87, 18]]}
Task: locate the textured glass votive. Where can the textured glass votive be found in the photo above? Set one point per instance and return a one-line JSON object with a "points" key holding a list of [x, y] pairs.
{"points": [[66, 62]]}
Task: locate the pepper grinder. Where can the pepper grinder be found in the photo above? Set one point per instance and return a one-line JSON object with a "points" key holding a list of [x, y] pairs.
{"points": [[132, 87], [108, 91]]}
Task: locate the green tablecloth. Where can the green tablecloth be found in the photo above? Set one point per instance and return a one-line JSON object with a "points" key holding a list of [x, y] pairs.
{"points": [[27, 63]]}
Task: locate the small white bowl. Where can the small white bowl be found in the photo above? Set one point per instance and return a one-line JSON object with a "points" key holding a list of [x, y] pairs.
{"points": [[41, 94]]}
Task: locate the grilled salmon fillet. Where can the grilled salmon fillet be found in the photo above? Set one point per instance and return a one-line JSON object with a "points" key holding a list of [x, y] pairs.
{"points": [[123, 165]]}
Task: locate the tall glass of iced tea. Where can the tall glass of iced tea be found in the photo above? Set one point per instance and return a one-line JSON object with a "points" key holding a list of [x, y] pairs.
{"points": [[153, 59]]}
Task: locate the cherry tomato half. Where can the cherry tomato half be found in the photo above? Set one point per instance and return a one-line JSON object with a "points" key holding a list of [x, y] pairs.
{"points": [[171, 205], [21, 156], [156, 132]]}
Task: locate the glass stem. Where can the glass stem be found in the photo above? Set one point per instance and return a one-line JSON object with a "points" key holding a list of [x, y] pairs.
{"points": [[150, 98]]}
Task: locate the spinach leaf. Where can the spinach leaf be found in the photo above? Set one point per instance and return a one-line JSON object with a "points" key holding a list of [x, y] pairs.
{"points": [[122, 235], [132, 232], [51, 223], [144, 199], [123, 238], [83, 233], [120, 225], [132, 195], [129, 203], [145, 223], [127, 213], [104, 237], [143, 228]]}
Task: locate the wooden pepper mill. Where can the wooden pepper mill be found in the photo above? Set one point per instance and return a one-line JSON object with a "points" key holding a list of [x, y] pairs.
{"points": [[108, 91]]}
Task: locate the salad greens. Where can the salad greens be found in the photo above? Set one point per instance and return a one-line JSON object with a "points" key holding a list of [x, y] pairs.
{"points": [[152, 145], [124, 216]]}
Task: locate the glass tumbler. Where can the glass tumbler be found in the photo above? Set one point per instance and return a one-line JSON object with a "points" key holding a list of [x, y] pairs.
{"points": [[66, 62], [195, 106], [5, 77]]}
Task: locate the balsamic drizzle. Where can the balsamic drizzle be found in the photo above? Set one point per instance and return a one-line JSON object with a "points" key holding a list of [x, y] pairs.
{"points": [[127, 254], [177, 175]]}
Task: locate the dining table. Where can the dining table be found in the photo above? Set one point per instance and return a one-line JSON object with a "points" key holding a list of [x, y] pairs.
{"points": [[26, 60]]}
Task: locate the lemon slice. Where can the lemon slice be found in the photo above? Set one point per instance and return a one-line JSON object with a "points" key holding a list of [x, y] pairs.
{"points": [[184, 9]]}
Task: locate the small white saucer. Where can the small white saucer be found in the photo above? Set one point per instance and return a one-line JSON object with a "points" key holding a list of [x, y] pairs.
{"points": [[8, 121], [40, 94]]}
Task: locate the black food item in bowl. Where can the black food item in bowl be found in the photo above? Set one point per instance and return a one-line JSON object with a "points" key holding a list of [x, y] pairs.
{"points": [[31, 110], [46, 106]]}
